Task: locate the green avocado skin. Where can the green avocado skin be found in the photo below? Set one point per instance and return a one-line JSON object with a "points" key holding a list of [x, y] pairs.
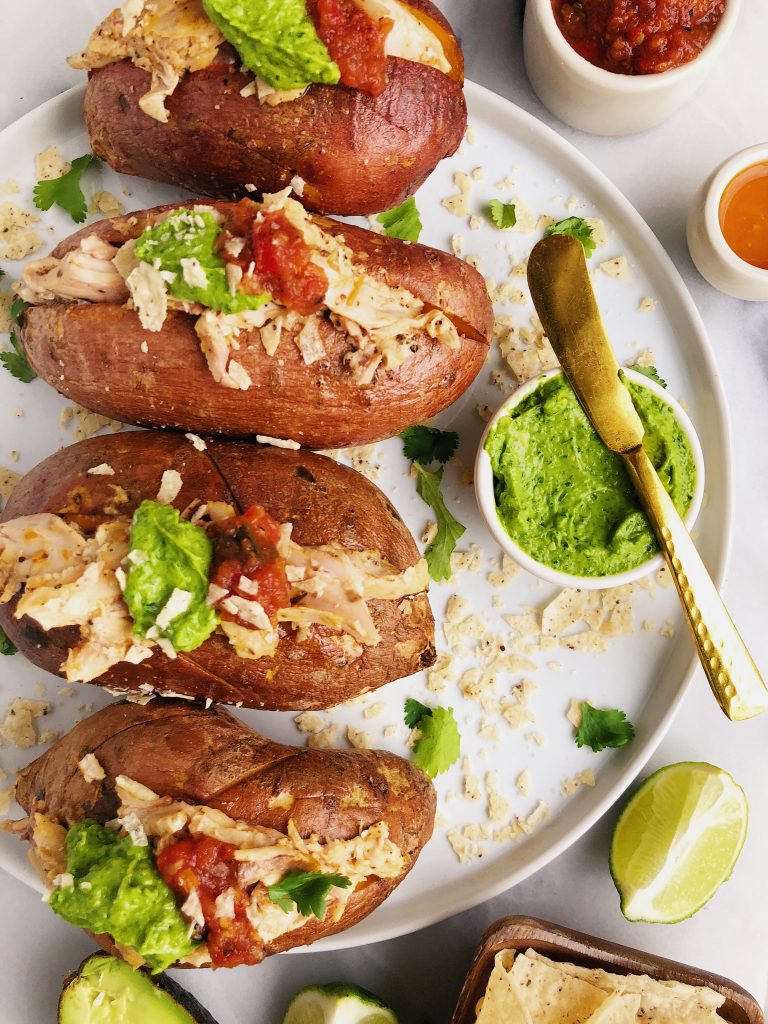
{"points": [[567, 500], [105, 990], [276, 39]]}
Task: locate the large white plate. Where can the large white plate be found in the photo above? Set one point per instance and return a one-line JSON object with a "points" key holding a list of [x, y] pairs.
{"points": [[645, 674]]}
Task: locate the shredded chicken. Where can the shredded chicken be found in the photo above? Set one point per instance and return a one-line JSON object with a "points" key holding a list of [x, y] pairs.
{"points": [[38, 550], [265, 855], [164, 37], [87, 274]]}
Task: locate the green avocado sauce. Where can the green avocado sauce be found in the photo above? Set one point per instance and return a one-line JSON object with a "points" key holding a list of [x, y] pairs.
{"points": [[567, 500], [276, 39], [117, 890], [192, 235]]}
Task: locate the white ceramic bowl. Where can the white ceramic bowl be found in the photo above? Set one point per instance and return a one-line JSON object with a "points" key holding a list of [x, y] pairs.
{"points": [[487, 501], [603, 102], [714, 258]]}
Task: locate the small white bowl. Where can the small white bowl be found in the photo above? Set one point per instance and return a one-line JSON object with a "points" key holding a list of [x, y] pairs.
{"points": [[603, 102], [487, 502], [714, 258]]}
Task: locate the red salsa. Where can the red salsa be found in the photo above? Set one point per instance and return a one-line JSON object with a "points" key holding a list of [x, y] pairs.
{"points": [[208, 866], [638, 37], [246, 546], [355, 42], [275, 258]]}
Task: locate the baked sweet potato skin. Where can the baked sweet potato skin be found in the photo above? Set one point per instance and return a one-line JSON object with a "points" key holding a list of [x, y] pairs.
{"points": [[93, 354], [209, 757], [325, 501], [357, 154]]}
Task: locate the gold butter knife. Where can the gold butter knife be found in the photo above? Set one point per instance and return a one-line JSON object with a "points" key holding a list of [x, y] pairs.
{"points": [[562, 294]]}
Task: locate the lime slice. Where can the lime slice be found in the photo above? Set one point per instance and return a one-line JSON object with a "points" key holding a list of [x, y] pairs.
{"points": [[676, 841], [337, 1003]]}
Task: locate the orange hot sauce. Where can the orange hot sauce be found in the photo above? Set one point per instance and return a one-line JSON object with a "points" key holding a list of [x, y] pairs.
{"points": [[744, 215]]}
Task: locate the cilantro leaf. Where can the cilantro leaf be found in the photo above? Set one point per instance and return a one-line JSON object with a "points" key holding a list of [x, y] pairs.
{"points": [[428, 444], [65, 191], [649, 371], [6, 647], [503, 215], [601, 729], [16, 362], [17, 308], [402, 221], [415, 711], [439, 745], [307, 891], [576, 227], [438, 554]]}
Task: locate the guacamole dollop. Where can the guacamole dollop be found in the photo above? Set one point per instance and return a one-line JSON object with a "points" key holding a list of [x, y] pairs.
{"points": [[190, 236], [276, 39], [169, 555], [117, 890], [567, 500]]}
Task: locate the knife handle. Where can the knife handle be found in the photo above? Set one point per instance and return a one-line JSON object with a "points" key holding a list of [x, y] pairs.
{"points": [[732, 674]]}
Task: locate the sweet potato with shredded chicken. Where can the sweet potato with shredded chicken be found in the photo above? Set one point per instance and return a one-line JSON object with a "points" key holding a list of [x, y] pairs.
{"points": [[177, 769], [342, 608], [401, 332], [169, 99]]}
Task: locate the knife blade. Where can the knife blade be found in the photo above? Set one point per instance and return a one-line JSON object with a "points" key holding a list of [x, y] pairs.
{"points": [[562, 294]]}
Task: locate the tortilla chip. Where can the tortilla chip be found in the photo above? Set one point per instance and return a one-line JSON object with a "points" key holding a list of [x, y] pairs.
{"points": [[551, 996], [664, 1002], [501, 1003], [617, 1009]]}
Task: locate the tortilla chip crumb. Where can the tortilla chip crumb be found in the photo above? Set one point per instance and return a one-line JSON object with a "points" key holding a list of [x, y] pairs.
{"points": [[484, 412], [325, 738], [362, 459], [539, 814], [573, 714], [310, 722], [88, 423], [663, 577], [536, 737], [17, 238], [474, 261], [498, 805], [6, 298], [646, 357], [617, 268], [471, 782], [599, 234], [459, 204], [429, 533], [19, 725], [489, 731], [667, 630], [564, 611], [523, 783], [391, 731], [465, 848], [441, 673], [50, 164], [10, 186], [375, 710], [8, 482], [359, 738], [106, 203], [6, 796], [456, 608], [467, 561], [587, 641], [585, 778], [647, 304], [457, 244]]}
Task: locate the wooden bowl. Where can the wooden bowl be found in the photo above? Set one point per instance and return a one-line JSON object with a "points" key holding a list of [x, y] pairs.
{"points": [[558, 943]]}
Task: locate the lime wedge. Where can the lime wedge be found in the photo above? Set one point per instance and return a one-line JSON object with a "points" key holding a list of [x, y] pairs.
{"points": [[337, 1003], [676, 841]]}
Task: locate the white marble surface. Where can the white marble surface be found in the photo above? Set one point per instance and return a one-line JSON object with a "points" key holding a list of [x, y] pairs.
{"points": [[420, 974]]}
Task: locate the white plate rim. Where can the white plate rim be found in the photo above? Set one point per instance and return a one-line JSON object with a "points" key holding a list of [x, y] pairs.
{"points": [[371, 930]]}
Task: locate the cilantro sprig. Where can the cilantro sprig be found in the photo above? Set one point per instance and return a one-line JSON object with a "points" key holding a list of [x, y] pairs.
{"points": [[603, 728], [6, 647], [439, 743], [16, 362], [423, 446], [402, 221], [66, 190], [307, 891], [576, 227], [650, 372], [428, 444], [503, 215]]}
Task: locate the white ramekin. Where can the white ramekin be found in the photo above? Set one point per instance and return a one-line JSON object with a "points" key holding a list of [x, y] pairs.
{"points": [[487, 502], [603, 102], [714, 258]]}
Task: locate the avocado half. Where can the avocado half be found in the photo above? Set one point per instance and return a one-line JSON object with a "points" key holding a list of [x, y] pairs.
{"points": [[106, 990]]}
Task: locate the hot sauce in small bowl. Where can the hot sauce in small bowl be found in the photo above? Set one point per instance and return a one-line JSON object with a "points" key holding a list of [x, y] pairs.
{"points": [[743, 214]]}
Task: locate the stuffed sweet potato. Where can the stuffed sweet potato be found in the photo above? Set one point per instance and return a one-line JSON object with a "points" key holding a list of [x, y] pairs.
{"points": [[258, 576], [360, 99], [223, 847], [255, 318]]}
